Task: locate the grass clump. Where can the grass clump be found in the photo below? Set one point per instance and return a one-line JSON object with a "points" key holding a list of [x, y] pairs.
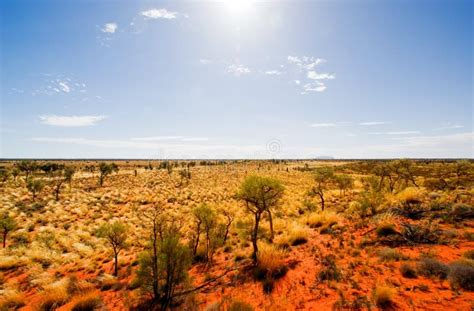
{"points": [[469, 254], [296, 235], [408, 271], [11, 299], [330, 271], [86, 302], [386, 229], [431, 267], [461, 275], [383, 296], [323, 219], [270, 266], [389, 254]]}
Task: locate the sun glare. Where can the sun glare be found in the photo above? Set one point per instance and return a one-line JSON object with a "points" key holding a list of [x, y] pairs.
{"points": [[239, 7]]}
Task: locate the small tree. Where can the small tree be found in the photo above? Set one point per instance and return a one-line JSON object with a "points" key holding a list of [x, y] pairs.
{"points": [[116, 236], [323, 176], [35, 186], [69, 174], [104, 170], [15, 173], [164, 263], [7, 224], [26, 167], [344, 182], [260, 194], [4, 174]]}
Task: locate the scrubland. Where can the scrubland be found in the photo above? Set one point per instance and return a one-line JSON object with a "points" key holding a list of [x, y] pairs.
{"points": [[395, 235]]}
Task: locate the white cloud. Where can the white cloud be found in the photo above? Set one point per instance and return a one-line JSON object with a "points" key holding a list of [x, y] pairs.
{"points": [[159, 13], [205, 61], [158, 138], [449, 127], [109, 28], [372, 123], [298, 82], [323, 125], [396, 133], [195, 139], [64, 87], [314, 87], [70, 121], [305, 62], [273, 72], [320, 76], [238, 70]]}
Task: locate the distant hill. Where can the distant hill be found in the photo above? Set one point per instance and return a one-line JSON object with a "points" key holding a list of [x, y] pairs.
{"points": [[324, 158]]}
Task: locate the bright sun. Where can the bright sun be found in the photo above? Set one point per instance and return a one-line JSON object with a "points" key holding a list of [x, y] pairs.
{"points": [[239, 7]]}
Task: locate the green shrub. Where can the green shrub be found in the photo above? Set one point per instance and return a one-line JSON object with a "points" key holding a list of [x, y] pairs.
{"points": [[431, 267], [408, 271], [461, 275]]}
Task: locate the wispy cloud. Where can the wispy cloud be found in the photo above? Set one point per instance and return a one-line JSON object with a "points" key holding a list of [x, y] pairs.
{"points": [[313, 87], [449, 127], [60, 85], [273, 72], [159, 13], [323, 125], [109, 28], [395, 133], [70, 121], [373, 123], [170, 138], [305, 70], [205, 61], [313, 75], [238, 70]]}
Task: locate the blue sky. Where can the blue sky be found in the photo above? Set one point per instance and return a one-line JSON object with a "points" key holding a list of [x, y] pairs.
{"points": [[236, 79]]}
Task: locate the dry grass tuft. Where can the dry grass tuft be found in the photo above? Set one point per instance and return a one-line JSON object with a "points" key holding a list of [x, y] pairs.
{"points": [[11, 299], [323, 219], [383, 296]]}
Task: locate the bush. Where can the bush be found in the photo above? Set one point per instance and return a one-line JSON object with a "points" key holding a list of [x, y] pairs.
{"points": [[421, 234], [87, 302], [270, 262], [383, 296], [11, 300], [325, 218], [408, 271], [389, 254], [330, 270], [239, 306], [461, 275], [430, 267], [469, 254], [386, 230]]}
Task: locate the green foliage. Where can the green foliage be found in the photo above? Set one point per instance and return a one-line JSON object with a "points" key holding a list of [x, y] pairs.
{"points": [[260, 195], [171, 264], [116, 236], [106, 169], [7, 224], [35, 186]]}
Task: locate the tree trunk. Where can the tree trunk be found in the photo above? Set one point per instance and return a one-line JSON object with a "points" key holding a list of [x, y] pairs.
{"points": [[116, 264], [198, 234], [5, 238], [321, 196], [255, 237], [270, 219]]}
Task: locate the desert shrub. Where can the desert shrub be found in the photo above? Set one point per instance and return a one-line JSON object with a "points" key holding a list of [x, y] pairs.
{"points": [[409, 203], [389, 254], [469, 236], [86, 302], [383, 296], [270, 262], [469, 254], [421, 234], [461, 274], [431, 267], [386, 229], [296, 235], [238, 305], [323, 219], [408, 271], [462, 211], [12, 262], [330, 270], [11, 300]]}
